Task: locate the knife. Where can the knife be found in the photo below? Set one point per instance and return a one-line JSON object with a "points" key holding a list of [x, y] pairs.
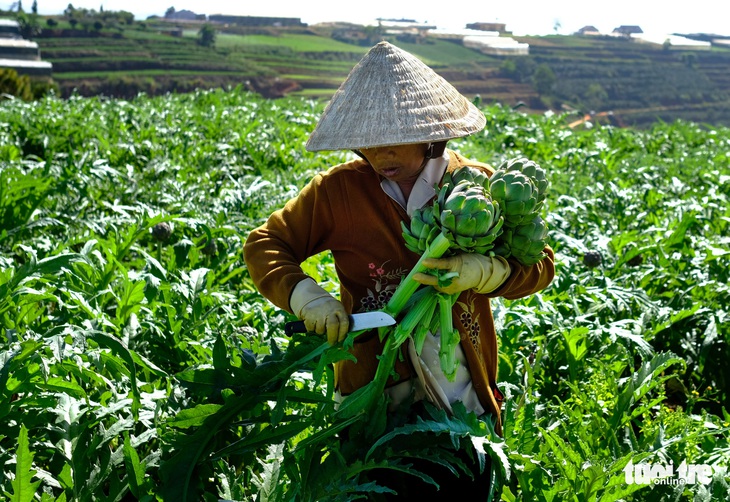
{"points": [[365, 320]]}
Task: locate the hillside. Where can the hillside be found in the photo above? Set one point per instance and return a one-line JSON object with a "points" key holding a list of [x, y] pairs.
{"points": [[624, 81], [639, 82]]}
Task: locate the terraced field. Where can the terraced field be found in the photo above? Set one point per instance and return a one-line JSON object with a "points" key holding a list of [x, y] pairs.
{"points": [[93, 65], [642, 83], [635, 84]]}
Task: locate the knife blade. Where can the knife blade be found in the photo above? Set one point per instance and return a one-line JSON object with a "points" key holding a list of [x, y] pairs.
{"points": [[364, 320]]}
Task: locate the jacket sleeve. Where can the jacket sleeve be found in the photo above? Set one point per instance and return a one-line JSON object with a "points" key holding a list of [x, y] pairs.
{"points": [[526, 280], [274, 251]]}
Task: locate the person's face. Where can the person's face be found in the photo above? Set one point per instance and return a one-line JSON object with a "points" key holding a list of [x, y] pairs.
{"points": [[399, 163]]}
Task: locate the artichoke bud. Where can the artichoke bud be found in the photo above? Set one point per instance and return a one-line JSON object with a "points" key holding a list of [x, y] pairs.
{"points": [[592, 259], [162, 231]]}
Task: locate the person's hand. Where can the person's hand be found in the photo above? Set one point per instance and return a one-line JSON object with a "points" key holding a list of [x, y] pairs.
{"points": [[319, 310], [326, 315], [482, 273]]}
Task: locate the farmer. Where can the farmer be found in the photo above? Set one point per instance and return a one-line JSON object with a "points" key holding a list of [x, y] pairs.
{"points": [[396, 115]]}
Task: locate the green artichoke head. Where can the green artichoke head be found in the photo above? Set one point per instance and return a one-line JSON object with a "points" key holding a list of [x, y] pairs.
{"points": [[525, 243], [468, 216], [470, 174], [517, 196], [421, 231], [532, 170]]}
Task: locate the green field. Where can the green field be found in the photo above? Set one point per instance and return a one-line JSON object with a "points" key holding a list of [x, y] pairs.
{"points": [[138, 361], [295, 42]]}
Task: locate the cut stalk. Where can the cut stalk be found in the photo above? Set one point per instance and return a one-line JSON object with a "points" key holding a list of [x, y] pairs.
{"points": [[415, 316], [424, 326], [365, 398]]}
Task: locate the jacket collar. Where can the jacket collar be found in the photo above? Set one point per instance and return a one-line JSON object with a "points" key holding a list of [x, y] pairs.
{"points": [[425, 187]]}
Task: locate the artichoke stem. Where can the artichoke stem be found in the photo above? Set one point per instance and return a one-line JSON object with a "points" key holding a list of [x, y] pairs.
{"points": [[436, 249]]}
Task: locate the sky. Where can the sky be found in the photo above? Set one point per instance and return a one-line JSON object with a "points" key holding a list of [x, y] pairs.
{"points": [[525, 17]]}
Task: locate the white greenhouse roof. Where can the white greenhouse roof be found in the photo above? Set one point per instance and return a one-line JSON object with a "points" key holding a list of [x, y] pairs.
{"points": [[464, 32], [660, 38], [18, 43], [24, 63]]}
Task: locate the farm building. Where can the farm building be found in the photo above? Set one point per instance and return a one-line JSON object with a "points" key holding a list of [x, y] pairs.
{"points": [[459, 35], [627, 30], [498, 27], [588, 30], [671, 41], [9, 28], [19, 54], [25, 67], [184, 15], [396, 26], [497, 46], [405, 30], [19, 48], [486, 42], [256, 20]]}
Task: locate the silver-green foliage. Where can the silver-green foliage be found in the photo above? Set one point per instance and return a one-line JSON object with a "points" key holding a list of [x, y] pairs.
{"points": [[143, 369]]}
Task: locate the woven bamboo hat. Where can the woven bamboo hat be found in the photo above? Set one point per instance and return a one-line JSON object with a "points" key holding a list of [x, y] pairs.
{"points": [[392, 98]]}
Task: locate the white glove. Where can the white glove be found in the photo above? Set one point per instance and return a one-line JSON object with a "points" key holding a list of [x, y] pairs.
{"points": [[320, 311], [482, 273]]}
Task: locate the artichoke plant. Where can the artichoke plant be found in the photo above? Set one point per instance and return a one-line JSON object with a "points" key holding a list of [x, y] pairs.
{"points": [[462, 218]]}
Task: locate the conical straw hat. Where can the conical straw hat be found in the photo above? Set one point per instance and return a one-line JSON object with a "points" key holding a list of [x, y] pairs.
{"points": [[392, 98]]}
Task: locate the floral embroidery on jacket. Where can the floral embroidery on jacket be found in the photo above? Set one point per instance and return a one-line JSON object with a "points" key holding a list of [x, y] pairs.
{"points": [[470, 318], [386, 282]]}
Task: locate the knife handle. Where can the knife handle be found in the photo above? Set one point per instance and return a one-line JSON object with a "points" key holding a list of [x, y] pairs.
{"points": [[294, 327]]}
